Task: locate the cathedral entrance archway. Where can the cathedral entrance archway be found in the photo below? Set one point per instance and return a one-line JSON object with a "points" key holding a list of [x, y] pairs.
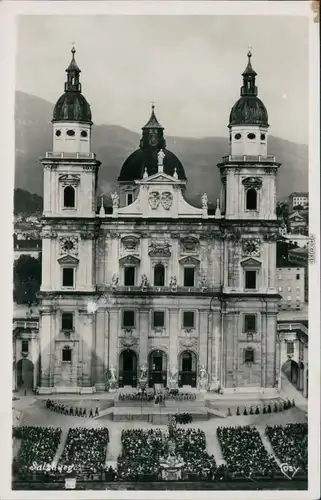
{"points": [[157, 373], [25, 371], [128, 368], [187, 369], [291, 370]]}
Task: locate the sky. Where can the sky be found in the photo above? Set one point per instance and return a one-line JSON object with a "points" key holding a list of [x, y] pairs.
{"points": [[190, 66]]}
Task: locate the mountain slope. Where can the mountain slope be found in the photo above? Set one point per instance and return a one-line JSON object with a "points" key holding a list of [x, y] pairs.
{"points": [[113, 144]]}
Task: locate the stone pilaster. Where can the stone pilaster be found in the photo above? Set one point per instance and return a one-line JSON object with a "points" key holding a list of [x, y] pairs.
{"points": [[143, 326], [270, 354], [113, 327], [100, 349], [174, 329], [215, 352], [203, 337], [87, 348], [46, 340]]}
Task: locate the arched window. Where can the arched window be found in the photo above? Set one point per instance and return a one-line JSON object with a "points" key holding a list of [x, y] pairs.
{"points": [[69, 197], [251, 199], [66, 354], [159, 275]]}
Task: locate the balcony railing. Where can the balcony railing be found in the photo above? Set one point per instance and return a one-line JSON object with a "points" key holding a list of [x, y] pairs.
{"points": [[156, 289], [248, 158], [78, 156], [25, 324]]}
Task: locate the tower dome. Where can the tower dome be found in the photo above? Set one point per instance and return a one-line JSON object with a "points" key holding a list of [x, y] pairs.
{"points": [[145, 157], [249, 109], [72, 105]]}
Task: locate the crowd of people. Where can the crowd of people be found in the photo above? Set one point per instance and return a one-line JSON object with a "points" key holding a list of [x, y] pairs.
{"points": [[268, 408], [183, 418], [71, 410], [290, 444], [136, 396], [38, 446], [244, 452], [150, 395], [85, 449]]}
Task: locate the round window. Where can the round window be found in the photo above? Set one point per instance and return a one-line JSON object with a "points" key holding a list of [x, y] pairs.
{"points": [[83, 133], [263, 137], [251, 136], [237, 136], [58, 133], [71, 133]]}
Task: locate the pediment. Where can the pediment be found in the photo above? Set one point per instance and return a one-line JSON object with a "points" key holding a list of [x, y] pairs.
{"points": [[160, 178], [251, 263], [69, 179], [189, 260], [68, 259], [129, 260]]}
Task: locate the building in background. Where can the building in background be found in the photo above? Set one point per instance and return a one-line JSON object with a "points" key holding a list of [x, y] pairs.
{"points": [[291, 286], [298, 199]]}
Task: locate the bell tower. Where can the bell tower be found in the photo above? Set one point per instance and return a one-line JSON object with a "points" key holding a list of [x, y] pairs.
{"points": [[248, 173]]}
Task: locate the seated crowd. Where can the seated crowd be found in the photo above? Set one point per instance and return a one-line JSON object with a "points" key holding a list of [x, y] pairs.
{"points": [[85, 449], [70, 410], [290, 444], [183, 418], [38, 446], [245, 453]]}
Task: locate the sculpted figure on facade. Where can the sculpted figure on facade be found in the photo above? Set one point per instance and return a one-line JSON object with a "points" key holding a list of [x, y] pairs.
{"points": [[160, 160], [203, 284], [144, 283], [143, 371], [173, 283], [204, 201], [203, 378], [114, 281], [112, 373], [115, 200], [167, 200]]}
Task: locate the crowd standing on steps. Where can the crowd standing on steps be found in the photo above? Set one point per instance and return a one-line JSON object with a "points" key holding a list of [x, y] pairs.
{"points": [[71, 410]]}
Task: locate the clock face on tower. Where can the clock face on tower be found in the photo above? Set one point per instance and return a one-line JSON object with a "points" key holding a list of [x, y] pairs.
{"points": [[251, 248], [68, 245], [153, 140]]}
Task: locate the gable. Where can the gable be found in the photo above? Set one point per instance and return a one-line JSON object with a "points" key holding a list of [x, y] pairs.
{"points": [[251, 263], [68, 259], [189, 260], [129, 259]]}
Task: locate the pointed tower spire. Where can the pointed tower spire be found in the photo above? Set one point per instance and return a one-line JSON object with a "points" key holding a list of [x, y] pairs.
{"points": [[249, 88], [153, 133], [73, 72]]}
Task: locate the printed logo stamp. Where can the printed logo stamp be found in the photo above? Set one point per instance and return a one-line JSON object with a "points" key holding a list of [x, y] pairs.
{"points": [[288, 470]]}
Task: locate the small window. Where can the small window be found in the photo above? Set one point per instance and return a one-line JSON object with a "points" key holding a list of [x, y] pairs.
{"points": [[263, 136], [237, 136], [67, 321], [129, 276], [297, 276], [159, 275], [250, 280], [58, 133], [280, 276], [289, 297], [289, 289], [66, 354], [68, 276], [188, 319], [129, 198], [249, 355], [84, 133], [25, 346], [69, 197], [290, 347], [250, 323], [251, 199], [128, 319], [189, 276], [251, 136], [158, 319], [280, 289], [70, 133]]}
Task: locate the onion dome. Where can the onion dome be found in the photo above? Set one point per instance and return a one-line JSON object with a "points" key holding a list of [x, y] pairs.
{"points": [[145, 157], [72, 105], [249, 109]]}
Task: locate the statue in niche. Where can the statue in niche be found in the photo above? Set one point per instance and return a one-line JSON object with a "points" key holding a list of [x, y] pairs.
{"points": [[160, 160], [203, 284], [112, 371]]}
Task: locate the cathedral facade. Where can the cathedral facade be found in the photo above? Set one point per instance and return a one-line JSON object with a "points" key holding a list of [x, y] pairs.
{"points": [[155, 282]]}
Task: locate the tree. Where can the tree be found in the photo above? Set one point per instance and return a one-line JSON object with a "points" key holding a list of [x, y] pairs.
{"points": [[282, 210], [26, 203], [26, 279]]}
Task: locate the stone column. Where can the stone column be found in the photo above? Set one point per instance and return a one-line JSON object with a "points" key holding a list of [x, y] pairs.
{"points": [[215, 354], [86, 348], [143, 326], [100, 350]]}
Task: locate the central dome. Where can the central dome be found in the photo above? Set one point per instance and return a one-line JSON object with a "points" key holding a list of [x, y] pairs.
{"points": [[145, 157], [134, 166], [72, 106]]}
